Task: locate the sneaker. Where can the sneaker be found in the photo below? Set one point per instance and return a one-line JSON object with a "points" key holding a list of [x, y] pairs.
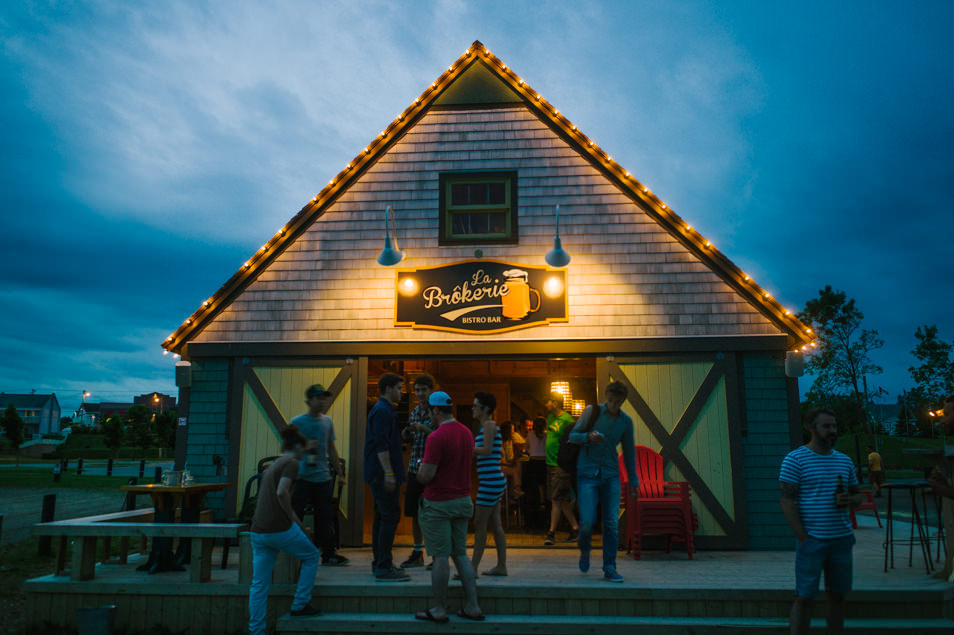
{"points": [[572, 536], [334, 560], [610, 575], [416, 560], [306, 611], [584, 561], [549, 539], [394, 575]]}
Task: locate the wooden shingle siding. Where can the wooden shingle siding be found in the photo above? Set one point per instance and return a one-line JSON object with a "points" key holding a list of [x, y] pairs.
{"points": [[765, 445], [207, 424], [629, 278]]}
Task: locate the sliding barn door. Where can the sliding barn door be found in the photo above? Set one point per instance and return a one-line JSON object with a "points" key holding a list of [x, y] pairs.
{"points": [[269, 395], [687, 410]]}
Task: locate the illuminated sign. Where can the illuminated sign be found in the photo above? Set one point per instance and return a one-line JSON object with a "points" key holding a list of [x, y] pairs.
{"points": [[480, 296]]}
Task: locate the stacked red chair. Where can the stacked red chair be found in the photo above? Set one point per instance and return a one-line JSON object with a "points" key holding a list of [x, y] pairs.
{"points": [[662, 508]]}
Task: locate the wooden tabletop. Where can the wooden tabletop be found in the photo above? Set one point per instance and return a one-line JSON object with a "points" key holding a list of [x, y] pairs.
{"points": [[158, 488]]}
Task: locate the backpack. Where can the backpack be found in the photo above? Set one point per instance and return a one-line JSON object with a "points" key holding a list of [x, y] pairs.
{"points": [[570, 452]]}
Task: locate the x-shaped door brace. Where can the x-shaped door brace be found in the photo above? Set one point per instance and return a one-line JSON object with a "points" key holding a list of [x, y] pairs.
{"points": [[274, 415], [670, 442]]}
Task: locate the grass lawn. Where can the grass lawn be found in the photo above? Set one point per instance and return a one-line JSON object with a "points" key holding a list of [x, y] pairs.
{"points": [[18, 563], [42, 477]]}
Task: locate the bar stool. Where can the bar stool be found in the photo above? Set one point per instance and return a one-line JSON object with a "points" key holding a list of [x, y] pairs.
{"points": [[917, 522]]}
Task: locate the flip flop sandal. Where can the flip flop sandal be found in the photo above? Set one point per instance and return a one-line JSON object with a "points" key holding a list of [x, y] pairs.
{"points": [[427, 616], [473, 618], [493, 573]]}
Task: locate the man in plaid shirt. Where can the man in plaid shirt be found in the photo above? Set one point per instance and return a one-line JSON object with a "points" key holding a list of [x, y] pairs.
{"points": [[416, 432]]}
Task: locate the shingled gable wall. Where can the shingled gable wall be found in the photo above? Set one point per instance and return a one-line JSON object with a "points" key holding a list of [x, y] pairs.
{"points": [[629, 278]]}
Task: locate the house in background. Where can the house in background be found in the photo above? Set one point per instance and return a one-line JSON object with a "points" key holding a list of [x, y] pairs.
{"points": [[155, 401], [40, 413]]}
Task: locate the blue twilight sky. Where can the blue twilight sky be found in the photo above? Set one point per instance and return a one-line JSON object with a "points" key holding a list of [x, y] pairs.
{"points": [[148, 148]]}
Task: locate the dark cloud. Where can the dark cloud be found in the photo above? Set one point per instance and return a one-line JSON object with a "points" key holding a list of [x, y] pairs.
{"points": [[148, 150]]}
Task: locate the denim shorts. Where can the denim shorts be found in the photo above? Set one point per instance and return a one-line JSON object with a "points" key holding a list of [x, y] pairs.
{"points": [[832, 556]]}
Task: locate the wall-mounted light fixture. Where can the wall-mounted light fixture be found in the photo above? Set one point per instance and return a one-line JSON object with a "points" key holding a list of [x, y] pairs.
{"points": [[557, 257], [390, 255]]}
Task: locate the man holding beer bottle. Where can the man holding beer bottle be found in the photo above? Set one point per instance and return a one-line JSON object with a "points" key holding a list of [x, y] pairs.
{"points": [[314, 477], [819, 485]]}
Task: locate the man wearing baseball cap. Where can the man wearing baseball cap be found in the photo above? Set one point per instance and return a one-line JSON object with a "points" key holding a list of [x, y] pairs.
{"points": [[314, 476], [446, 507]]}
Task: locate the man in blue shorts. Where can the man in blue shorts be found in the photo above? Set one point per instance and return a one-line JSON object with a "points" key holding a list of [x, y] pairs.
{"points": [[819, 485]]}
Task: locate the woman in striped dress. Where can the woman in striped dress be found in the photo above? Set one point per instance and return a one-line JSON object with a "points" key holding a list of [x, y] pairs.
{"points": [[491, 484]]}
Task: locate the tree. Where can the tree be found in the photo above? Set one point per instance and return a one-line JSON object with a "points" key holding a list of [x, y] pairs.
{"points": [[141, 432], [842, 362], [166, 428], [13, 429], [65, 422], [114, 429], [934, 374]]}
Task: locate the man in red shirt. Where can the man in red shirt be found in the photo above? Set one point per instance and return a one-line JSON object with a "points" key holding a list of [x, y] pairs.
{"points": [[446, 507]]}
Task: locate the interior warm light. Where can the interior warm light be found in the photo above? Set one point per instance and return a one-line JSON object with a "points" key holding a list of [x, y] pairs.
{"points": [[408, 286], [553, 287], [577, 406], [561, 388]]}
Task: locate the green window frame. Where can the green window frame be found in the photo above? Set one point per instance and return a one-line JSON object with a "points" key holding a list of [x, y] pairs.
{"points": [[478, 208]]}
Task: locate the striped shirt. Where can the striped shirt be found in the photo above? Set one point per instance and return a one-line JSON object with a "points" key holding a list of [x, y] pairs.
{"points": [[491, 479], [816, 476]]}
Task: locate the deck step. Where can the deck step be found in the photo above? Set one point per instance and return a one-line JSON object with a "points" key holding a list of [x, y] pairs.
{"points": [[405, 624]]}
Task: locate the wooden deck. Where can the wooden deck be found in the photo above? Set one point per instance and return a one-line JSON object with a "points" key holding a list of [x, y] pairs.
{"points": [[717, 592]]}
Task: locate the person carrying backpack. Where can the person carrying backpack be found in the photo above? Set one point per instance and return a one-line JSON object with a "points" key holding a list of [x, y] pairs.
{"points": [[599, 431], [559, 482]]}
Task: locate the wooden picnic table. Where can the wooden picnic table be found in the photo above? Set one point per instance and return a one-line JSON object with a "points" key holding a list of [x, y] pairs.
{"points": [[165, 500]]}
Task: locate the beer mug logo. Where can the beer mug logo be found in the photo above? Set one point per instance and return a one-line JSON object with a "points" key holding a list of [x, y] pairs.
{"points": [[516, 302]]}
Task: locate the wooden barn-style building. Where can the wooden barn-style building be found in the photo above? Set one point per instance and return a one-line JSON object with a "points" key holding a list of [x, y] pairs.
{"points": [[475, 173]]}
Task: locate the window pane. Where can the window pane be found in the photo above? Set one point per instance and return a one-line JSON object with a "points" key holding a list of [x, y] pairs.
{"points": [[498, 193], [478, 193], [497, 223], [458, 194]]}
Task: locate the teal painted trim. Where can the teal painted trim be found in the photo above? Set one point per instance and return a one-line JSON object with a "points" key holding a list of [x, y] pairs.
{"points": [[765, 445], [207, 425]]}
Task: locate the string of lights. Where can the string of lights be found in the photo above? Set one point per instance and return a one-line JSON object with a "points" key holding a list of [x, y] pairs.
{"points": [[678, 227]]}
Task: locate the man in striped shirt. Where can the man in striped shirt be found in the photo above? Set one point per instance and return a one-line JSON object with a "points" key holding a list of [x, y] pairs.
{"points": [[819, 484]]}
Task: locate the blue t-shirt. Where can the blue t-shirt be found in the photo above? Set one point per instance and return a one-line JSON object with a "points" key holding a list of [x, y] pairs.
{"points": [[816, 476], [383, 435], [321, 430]]}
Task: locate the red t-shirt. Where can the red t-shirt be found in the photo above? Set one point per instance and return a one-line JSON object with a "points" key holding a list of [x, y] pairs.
{"points": [[451, 449]]}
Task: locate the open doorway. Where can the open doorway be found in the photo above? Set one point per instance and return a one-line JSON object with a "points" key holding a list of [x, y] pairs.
{"points": [[521, 387]]}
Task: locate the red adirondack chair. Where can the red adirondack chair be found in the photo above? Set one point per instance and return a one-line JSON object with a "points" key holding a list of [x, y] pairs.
{"points": [[663, 507]]}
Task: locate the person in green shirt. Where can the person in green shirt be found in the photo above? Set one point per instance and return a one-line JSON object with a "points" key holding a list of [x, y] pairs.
{"points": [[559, 482]]}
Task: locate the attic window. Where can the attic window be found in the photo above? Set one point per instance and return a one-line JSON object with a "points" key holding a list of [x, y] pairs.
{"points": [[478, 207]]}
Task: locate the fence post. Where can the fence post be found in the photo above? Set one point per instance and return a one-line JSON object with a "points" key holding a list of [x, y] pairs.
{"points": [[158, 477], [109, 466], [46, 516], [79, 466], [130, 502], [142, 468]]}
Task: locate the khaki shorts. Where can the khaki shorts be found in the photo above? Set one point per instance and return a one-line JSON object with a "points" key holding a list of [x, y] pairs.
{"points": [[876, 477], [444, 525], [559, 484]]}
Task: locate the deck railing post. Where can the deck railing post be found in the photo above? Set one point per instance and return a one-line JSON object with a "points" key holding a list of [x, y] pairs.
{"points": [[79, 466], [142, 468], [158, 477], [46, 516], [109, 466]]}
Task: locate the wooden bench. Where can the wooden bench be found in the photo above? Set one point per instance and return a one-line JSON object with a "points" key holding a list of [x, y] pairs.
{"points": [[87, 533]]}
